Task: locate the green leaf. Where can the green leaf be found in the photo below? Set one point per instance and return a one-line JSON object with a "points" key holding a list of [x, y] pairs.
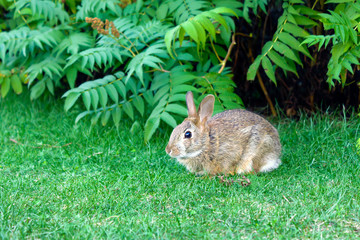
{"points": [[295, 44], [159, 81], [161, 92], [181, 35], [296, 30], [292, 10], [94, 98], [169, 38], [139, 105], [116, 115], [347, 65], [231, 105], [71, 74], [16, 84], [5, 87], [267, 47], [37, 90], [162, 11], [72, 59], [121, 89], [216, 17], [190, 29], [184, 88], [50, 85], [176, 108], [111, 90], [268, 68], [302, 20], [177, 97], [306, 10], [201, 33], [139, 4], [70, 100], [181, 78], [280, 61], [206, 24], [225, 34], [170, 120], [81, 115], [224, 10], [352, 59], [287, 52], [103, 97], [338, 50], [149, 98], [95, 118], [129, 110], [231, 97], [86, 99], [135, 128], [150, 127], [253, 68], [105, 117]]}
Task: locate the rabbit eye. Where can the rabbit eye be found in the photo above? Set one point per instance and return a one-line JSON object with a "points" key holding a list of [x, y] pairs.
{"points": [[188, 134]]}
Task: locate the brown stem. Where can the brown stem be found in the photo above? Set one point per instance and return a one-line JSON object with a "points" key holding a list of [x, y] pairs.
{"points": [[243, 35], [273, 111], [223, 63], [213, 46], [265, 23]]}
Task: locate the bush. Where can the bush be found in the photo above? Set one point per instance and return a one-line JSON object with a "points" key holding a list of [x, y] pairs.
{"points": [[149, 53], [141, 57], [291, 37], [303, 71]]}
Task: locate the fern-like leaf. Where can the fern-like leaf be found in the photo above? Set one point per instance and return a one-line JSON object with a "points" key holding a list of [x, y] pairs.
{"points": [[197, 28], [150, 58], [345, 51], [47, 9], [182, 10], [283, 51], [101, 56], [23, 41], [91, 8], [49, 66], [73, 43]]}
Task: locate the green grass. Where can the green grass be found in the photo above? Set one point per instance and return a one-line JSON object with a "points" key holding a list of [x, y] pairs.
{"points": [[108, 184]]}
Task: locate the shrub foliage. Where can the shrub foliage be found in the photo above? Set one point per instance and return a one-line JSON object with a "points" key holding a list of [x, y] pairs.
{"points": [[141, 57]]}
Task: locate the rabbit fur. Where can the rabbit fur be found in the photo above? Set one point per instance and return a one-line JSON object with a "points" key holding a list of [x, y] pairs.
{"points": [[231, 142]]}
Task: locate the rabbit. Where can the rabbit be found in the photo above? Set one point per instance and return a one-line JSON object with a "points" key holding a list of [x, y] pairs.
{"points": [[231, 142]]}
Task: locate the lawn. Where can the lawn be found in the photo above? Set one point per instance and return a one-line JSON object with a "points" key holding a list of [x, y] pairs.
{"points": [[58, 180]]}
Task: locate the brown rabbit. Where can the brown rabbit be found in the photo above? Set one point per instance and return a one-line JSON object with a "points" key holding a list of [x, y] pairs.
{"points": [[234, 141]]}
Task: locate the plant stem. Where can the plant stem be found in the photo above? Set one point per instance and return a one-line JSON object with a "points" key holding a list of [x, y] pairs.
{"points": [[273, 111], [213, 46], [223, 63]]}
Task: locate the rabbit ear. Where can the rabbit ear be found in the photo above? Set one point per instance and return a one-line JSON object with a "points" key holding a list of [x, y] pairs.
{"points": [[206, 108], [190, 104]]}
